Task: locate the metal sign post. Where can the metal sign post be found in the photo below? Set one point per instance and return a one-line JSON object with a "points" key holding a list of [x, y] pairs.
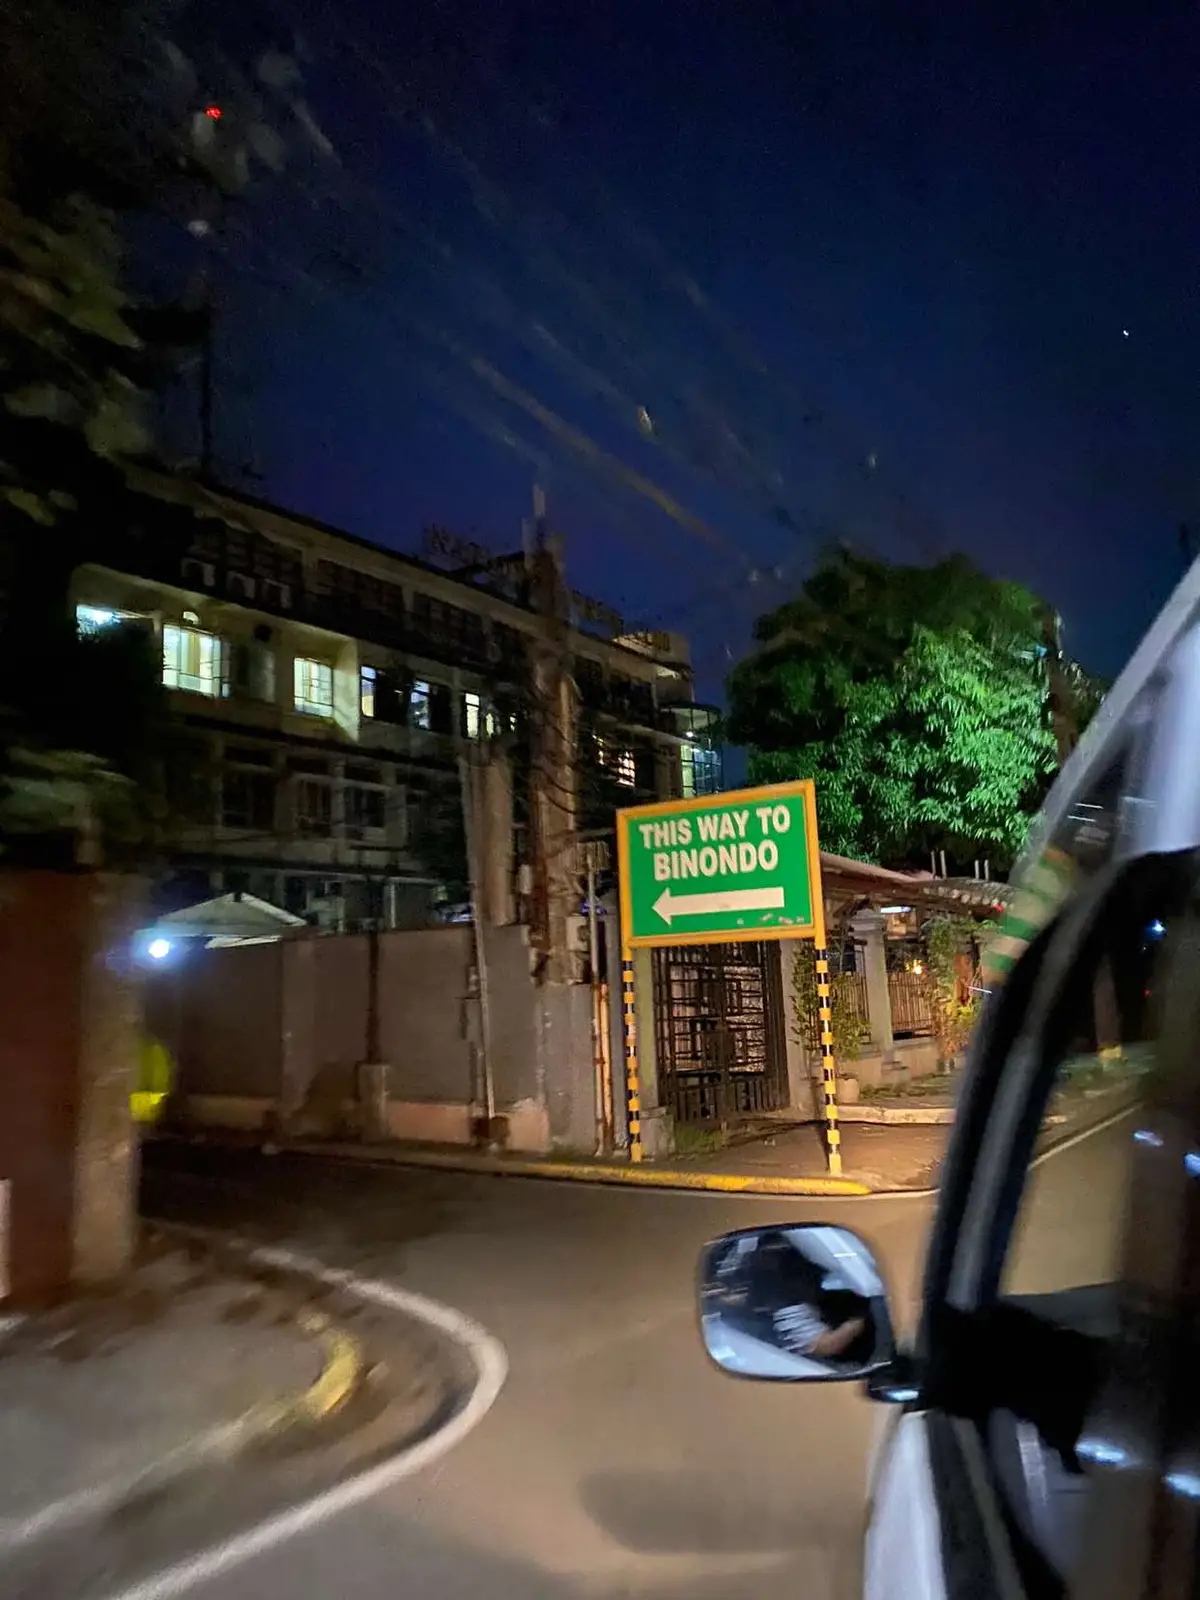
{"points": [[744, 865]]}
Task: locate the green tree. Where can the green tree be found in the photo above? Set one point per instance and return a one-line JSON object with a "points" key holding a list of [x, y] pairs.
{"points": [[916, 697]]}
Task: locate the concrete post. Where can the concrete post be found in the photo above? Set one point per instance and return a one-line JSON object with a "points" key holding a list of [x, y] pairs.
{"points": [[297, 1027], [494, 808], [104, 1199], [868, 931]]}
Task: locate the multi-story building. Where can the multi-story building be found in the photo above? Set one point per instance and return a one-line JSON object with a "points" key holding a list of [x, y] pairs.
{"points": [[325, 689]]}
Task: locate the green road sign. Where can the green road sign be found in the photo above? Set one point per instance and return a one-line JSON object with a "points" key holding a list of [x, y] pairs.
{"points": [[742, 865]]}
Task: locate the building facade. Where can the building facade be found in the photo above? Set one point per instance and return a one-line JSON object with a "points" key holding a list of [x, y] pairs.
{"points": [[325, 690]]}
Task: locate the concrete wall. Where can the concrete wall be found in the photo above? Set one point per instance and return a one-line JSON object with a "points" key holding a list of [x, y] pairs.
{"points": [[281, 1029], [218, 1013], [340, 984], [426, 1031]]}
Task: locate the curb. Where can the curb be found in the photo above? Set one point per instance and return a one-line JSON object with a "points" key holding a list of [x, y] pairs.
{"points": [[342, 1370], [470, 1400], [897, 1116], [642, 1176]]}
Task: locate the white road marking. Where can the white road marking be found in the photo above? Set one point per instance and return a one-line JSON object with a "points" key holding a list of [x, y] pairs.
{"points": [[1084, 1133], [1045, 1155], [491, 1364]]}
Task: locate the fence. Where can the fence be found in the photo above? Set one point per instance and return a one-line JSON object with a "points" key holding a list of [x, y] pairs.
{"points": [[911, 1011]]}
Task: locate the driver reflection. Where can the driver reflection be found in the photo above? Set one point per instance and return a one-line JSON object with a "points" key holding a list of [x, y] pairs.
{"points": [[813, 1313]]}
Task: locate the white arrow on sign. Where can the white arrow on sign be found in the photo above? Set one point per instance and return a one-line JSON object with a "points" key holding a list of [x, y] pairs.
{"points": [[670, 905]]}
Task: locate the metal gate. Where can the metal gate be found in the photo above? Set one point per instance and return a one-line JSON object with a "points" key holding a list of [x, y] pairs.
{"points": [[911, 1010], [718, 1029]]}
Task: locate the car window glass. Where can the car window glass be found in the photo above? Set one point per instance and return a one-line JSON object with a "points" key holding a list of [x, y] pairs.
{"points": [[1063, 1258], [1069, 1228], [1082, 846]]}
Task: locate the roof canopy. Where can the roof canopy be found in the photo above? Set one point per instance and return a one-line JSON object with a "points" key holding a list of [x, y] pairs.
{"points": [[230, 916]]}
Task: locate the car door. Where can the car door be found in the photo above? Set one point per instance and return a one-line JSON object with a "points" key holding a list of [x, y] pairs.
{"points": [[1037, 1463]]}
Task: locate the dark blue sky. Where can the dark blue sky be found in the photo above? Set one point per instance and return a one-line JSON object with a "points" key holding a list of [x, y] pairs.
{"points": [[867, 268]]}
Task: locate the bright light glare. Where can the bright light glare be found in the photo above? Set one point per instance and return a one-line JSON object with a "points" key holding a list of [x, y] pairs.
{"points": [[1102, 1452], [91, 619], [158, 949]]}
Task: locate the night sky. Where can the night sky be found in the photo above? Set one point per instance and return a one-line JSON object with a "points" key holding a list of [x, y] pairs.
{"points": [[922, 278]]}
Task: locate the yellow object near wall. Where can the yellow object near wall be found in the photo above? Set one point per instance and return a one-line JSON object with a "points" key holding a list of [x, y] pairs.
{"points": [[156, 1075]]}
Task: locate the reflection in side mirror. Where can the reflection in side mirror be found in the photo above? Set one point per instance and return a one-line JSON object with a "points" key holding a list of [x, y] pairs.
{"points": [[804, 1302]]}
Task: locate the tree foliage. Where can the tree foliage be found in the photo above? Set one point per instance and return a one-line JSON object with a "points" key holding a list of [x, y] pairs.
{"points": [[916, 697], [105, 115], [64, 380]]}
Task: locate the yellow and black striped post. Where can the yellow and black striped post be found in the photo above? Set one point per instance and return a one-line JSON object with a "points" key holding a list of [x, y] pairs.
{"points": [[633, 1090], [833, 1137]]}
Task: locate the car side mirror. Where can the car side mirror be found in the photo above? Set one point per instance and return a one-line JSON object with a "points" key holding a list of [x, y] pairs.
{"points": [[794, 1303]]}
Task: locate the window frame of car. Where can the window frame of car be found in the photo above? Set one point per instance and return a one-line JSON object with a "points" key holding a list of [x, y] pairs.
{"points": [[1153, 718]]}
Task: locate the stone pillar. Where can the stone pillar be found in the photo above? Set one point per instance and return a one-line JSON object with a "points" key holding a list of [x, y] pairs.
{"points": [[868, 931], [69, 1052], [106, 1146]]}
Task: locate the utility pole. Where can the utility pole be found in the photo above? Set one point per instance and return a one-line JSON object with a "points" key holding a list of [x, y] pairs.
{"points": [[486, 1128], [553, 739], [206, 392]]}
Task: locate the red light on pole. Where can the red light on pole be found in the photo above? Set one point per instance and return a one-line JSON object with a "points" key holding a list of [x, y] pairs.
{"points": [[213, 112]]}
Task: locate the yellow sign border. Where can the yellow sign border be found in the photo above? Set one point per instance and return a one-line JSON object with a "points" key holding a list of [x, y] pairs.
{"points": [[815, 929]]}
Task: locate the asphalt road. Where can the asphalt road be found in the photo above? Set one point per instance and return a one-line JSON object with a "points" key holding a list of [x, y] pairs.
{"points": [[617, 1461]]}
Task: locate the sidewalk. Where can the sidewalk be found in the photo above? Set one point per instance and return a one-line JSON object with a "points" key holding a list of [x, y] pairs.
{"points": [[902, 1154], [880, 1158], [188, 1364]]}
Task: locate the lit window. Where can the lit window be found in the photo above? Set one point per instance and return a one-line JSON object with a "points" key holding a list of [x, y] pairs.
{"points": [[313, 686], [687, 757], [493, 722], [367, 681], [93, 619], [191, 660], [701, 770], [472, 715], [620, 763], [418, 702]]}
